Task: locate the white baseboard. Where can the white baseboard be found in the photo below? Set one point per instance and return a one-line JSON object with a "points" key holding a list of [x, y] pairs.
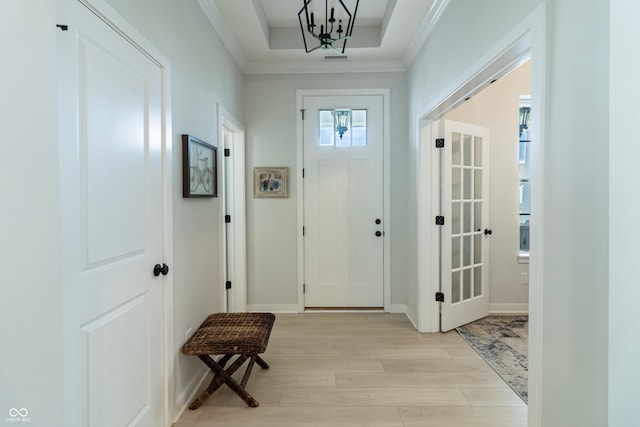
{"points": [[272, 308], [189, 393], [398, 308], [411, 315], [403, 308], [494, 308], [502, 308], [293, 308]]}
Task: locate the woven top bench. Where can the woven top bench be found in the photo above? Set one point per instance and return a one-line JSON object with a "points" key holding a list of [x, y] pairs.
{"points": [[229, 334]]}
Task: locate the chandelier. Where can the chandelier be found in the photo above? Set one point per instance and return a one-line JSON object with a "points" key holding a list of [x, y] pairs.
{"points": [[324, 34]]}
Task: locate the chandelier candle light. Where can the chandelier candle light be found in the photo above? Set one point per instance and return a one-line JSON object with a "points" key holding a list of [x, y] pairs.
{"points": [[326, 35]]}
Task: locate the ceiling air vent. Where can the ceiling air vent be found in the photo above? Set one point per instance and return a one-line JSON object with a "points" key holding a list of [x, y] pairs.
{"points": [[336, 58]]}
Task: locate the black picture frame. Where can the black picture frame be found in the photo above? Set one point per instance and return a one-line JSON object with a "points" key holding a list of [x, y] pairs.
{"points": [[199, 168]]}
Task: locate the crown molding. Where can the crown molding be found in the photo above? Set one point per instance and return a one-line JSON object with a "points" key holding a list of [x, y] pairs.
{"points": [[424, 31], [212, 12], [325, 67]]}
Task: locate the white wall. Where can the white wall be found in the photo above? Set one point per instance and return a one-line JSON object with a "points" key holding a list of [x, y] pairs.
{"points": [[30, 305], [271, 119], [575, 192], [624, 204], [203, 73], [574, 261], [497, 108]]}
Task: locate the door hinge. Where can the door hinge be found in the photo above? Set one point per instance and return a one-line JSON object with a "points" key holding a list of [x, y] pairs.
{"points": [[303, 230], [303, 172], [439, 297], [304, 288], [440, 220], [439, 142], [227, 152], [302, 112], [227, 285], [227, 219]]}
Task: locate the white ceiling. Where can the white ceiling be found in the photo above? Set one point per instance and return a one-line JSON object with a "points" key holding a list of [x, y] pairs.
{"points": [[264, 35]]}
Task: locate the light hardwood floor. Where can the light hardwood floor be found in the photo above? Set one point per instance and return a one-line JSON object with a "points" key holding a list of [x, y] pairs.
{"points": [[368, 370]]}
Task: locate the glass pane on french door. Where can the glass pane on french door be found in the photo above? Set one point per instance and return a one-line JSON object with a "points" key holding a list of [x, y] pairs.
{"points": [[466, 213]]}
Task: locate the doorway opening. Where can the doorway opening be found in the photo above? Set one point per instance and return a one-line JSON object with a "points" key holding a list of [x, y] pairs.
{"points": [[497, 108], [525, 41]]}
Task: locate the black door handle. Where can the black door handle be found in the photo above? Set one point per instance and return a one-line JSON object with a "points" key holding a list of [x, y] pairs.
{"points": [[488, 232], [158, 269], [378, 234]]}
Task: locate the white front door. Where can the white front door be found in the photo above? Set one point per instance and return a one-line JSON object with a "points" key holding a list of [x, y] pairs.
{"points": [[466, 231], [111, 139], [343, 202]]}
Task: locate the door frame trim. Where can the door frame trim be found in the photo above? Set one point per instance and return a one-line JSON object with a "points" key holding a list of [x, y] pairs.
{"points": [[526, 40], [385, 93], [238, 295]]}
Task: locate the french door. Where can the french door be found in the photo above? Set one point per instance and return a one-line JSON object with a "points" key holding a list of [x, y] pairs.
{"points": [[343, 201], [465, 232]]}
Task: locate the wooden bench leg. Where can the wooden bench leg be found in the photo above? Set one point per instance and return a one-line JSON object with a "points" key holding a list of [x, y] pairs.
{"points": [[247, 372], [260, 361], [223, 376]]}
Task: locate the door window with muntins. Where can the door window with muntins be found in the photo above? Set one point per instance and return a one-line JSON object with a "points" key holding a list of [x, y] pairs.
{"points": [[466, 210], [342, 127]]}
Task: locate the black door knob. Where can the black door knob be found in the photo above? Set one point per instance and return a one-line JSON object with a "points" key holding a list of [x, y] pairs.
{"points": [[488, 232], [378, 221], [160, 269], [378, 234]]}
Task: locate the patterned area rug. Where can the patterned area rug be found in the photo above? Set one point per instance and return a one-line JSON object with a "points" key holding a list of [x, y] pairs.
{"points": [[502, 341]]}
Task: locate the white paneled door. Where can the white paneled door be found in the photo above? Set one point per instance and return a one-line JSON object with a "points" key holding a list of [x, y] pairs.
{"points": [[233, 205], [343, 201], [111, 131], [465, 232]]}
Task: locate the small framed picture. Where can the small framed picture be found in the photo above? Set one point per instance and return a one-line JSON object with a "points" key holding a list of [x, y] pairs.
{"points": [[199, 172], [270, 182]]}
